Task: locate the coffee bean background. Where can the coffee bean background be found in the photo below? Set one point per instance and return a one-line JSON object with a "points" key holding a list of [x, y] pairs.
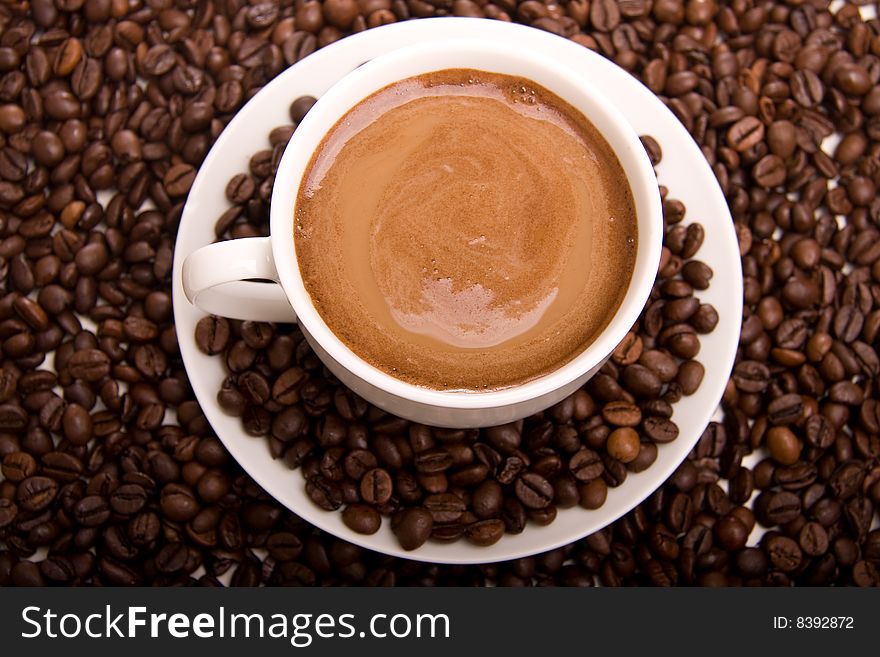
{"points": [[111, 474]]}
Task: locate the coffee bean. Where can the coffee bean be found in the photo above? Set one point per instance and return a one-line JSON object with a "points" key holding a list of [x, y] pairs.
{"points": [[488, 500], [358, 462], [212, 334], [91, 511], [621, 414], [89, 365], [807, 88], [412, 527], [18, 466], [505, 438], [128, 499], [444, 507], [61, 466], [642, 381], [179, 179], [784, 446], [652, 147], [624, 444], [660, 429], [605, 15], [36, 493], [585, 465], [813, 539], [159, 60], [286, 388], [376, 486], [8, 512], [362, 518], [178, 503], [730, 533], [745, 133], [485, 532], [846, 479], [26, 573], [784, 553], [593, 494], [690, 376], [240, 189], [769, 171], [705, 319], [300, 107], [777, 508], [852, 79], [533, 490], [433, 461], [77, 424], [785, 409]]}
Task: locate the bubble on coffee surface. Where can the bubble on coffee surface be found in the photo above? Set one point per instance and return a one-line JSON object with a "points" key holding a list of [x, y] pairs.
{"points": [[468, 317]]}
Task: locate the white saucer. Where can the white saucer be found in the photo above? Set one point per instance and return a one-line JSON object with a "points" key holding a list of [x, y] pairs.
{"points": [[683, 170]]}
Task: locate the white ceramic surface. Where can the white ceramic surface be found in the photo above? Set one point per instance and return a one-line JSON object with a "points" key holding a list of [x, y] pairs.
{"points": [[273, 258], [683, 170]]}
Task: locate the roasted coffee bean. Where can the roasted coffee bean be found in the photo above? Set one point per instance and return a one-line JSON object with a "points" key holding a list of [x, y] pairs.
{"points": [[358, 462], [623, 444], [731, 533], [376, 486], [660, 429], [485, 532], [323, 492], [785, 409], [300, 107], [178, 179], [362, 518], [813, 539], [488, 500], [91, 511], [585, 465], [8, 512], [784, 445], [77, 424], [178, 503], [622, 414], [212, 334], [795, 477], [533, 490], [412, 527], [846, 479], [18, 466], [12, 417], [745, 133], [128, 499], [36, 493], [777, 508], [90, 365], [784, 553], [433, 461], [444, 507]]}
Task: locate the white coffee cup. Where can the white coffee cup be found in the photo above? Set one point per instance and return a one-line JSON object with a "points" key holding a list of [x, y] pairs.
{"points": [[219, 278]]}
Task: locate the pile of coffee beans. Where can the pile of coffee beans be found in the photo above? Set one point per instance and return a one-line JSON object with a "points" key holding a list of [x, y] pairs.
{"points": [[446, 484], [125, 97]]}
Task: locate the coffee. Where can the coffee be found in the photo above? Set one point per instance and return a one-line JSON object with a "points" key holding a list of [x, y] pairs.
{"points": [[465, 217]]}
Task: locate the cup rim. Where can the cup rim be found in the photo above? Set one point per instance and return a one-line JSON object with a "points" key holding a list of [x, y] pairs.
{"points": [[641, 179]]}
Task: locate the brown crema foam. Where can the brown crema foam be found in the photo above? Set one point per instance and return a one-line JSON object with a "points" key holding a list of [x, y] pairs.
{"points": [[464, 230]]}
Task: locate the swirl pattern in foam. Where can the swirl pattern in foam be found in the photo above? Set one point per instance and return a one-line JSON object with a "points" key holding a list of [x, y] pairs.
{"points": [[464, 230]]}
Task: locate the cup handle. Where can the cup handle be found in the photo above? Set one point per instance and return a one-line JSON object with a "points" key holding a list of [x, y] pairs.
{"points": [[219, 279]]}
